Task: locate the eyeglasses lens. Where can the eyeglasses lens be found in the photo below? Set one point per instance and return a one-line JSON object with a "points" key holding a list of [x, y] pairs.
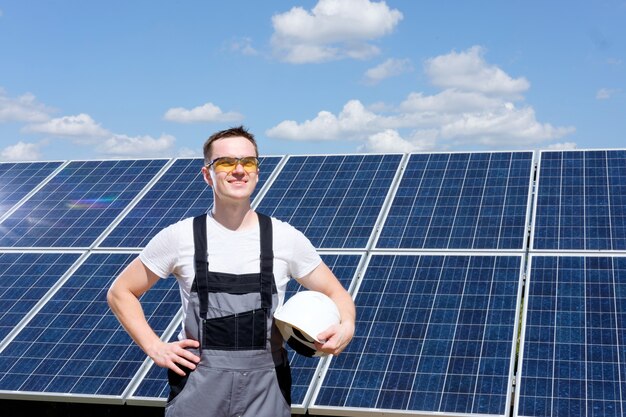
{"points": [[226, 164]]}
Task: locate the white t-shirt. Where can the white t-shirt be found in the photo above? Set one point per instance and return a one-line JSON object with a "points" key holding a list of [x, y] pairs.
{"points": [[171, 252]]}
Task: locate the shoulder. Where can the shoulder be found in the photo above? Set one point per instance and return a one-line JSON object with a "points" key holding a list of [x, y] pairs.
{"points": [[181, 226], [283, 228], [175, 231]]}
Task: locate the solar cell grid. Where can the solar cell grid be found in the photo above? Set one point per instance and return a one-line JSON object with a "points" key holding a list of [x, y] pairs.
{"points": [[581, 203], [303, 368], [434, 334], [154, 385], [76, 206], [574, 341], [460, 201], [18, 179], [74, 344], [24, 280], [181, 192], [335, 200]]}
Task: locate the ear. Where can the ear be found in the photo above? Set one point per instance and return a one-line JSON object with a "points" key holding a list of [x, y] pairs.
{"points": [[206, 174]]}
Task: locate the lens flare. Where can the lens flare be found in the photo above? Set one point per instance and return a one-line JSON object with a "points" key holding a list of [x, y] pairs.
{"points": [[92, 203]]}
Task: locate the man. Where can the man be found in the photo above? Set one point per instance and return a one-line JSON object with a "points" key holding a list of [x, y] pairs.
{"points": [[229, 359]]}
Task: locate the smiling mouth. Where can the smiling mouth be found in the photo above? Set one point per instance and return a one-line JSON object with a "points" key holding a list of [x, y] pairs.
{"points": [[238, 181]]}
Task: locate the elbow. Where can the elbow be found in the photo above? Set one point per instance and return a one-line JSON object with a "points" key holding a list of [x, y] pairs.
{"points": [[113, 297], [110, 298]]}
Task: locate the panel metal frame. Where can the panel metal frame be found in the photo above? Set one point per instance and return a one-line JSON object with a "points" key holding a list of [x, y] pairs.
{"points": [[354, 411], [524, 316], [393, 191], [67, 397], [531, 245], [377, 224]]}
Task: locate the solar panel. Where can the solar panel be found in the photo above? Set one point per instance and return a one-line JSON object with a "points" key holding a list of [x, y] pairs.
{"points": [[303, 369], [18, 179], [335, 200], [25, 278], [573, 360], [74, 345], [78, 203], [344, 266], [443, 240], [460, 201], [153, 387], [581, 201], [434, 334], [181, 192]]}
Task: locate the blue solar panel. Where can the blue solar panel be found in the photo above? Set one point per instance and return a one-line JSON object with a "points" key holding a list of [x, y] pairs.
{"points": [[24, 280], [303, 368], [18, 179], [154, 384], [581, 201], [77, 205], [574, 341], [335, 200], [433, 334], [461, 201], [181, 192], [74, 344]]}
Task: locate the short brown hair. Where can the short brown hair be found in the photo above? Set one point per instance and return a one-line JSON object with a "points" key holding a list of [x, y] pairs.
{"points": [[227, 133]]}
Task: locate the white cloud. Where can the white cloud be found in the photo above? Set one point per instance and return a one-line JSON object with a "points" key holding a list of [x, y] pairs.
{"points": [[605, 93], [468, 71], [21, 151], [459, 116], [449, 102], [24, 108], [561, 146], [206, 113], [82, 127], [351, 122], [138, 146], [333, 29], [390, 141], [243, 46], [389, 68], [189, 153], [499, 126]]}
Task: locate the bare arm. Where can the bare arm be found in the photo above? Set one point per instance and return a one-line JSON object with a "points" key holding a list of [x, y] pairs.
{"points": [[123, 298], [337, 337]]}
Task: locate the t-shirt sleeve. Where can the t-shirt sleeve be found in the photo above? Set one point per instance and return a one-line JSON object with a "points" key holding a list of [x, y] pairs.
{"points": [[304, 257], [161, 252]]}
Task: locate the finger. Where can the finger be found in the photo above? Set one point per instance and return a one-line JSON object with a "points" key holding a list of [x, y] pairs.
{"points": [[190, 356], [176, 369], [188, 343], [188, 365]]}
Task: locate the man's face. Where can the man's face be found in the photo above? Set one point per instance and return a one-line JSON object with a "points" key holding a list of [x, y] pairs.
{"points": [[238, 184]]}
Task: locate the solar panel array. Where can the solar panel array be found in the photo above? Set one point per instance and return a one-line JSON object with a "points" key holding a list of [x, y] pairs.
{"points": [[437, 249], [573, 347]]}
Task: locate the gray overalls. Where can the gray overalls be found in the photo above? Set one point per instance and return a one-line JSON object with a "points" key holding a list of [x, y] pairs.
{"points": [[244, 369]]}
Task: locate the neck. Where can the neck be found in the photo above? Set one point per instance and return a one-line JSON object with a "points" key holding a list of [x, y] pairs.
{"points": [[234, 217]]}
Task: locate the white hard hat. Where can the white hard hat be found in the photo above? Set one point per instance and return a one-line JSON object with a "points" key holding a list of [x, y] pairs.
{"points": [[304, 316]]}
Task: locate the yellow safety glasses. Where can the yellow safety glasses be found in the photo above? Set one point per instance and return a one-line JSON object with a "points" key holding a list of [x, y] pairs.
{"points": [[228, 164]]}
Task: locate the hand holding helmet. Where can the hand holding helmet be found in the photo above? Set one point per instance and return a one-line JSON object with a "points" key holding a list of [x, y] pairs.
{"points": [[306, 319]]}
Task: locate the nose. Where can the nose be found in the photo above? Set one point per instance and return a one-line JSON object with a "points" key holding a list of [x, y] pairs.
{"points": [[239, 168]]}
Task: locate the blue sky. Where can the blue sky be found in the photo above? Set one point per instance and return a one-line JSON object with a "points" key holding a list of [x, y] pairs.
{"points": [[134, 79]]}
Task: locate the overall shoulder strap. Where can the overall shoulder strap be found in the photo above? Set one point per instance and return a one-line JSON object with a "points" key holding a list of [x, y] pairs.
{"points": [[201, 262], [267, 261]]}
